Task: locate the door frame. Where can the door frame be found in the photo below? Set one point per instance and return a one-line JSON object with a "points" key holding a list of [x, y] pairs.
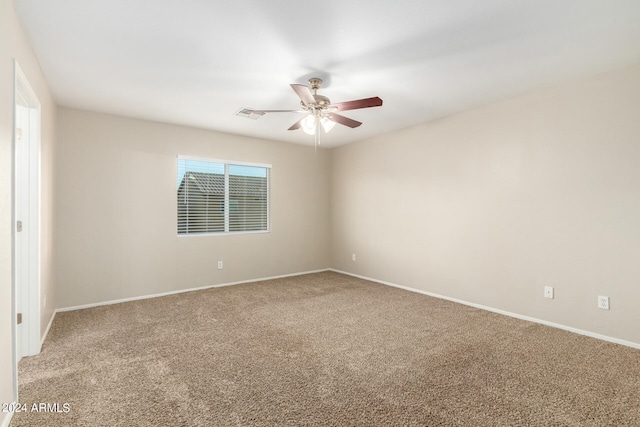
{"points": [[26, 294]]}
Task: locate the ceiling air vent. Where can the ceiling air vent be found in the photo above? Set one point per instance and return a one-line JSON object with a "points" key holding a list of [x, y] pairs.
{"points": [[250, 114]]}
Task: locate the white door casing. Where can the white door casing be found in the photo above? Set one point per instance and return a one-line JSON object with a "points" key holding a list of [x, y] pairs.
{"points": [[26, 220]]}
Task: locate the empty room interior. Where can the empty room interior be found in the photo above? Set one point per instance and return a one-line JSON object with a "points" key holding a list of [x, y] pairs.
{"points": [[320, 213]]}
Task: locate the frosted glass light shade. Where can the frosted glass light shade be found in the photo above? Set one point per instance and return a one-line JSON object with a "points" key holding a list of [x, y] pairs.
{"points": [[309, 125], [327, 124]]}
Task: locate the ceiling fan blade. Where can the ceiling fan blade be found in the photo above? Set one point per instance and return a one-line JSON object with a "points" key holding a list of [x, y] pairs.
{"points": [[304, 93], [279, 111], [359, 103], [297, 125], [343, 120]]}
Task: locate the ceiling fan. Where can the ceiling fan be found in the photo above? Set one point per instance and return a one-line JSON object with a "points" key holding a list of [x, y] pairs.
{"points": [[321, 113]]}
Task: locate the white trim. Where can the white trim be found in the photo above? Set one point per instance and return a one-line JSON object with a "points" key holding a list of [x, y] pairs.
{"points": [[30, 292], [27, 291], [230, 162], [163, 294], [46, 331], [223, 233], [498, 311], [431, 294], [7, 419]]}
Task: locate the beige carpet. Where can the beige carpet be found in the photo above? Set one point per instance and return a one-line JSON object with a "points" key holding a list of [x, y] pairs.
{"points": [[322, 349]]}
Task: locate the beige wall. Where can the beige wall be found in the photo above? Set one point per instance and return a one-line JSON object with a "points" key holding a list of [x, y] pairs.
{"points": [[13, 44], [491, 205], [116, 210]]}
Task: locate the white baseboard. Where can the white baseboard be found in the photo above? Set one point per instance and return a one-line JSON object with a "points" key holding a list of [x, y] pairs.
{"points": [[395, 285], [498, 311], [163, 294], [7, 419], [46, 331]]}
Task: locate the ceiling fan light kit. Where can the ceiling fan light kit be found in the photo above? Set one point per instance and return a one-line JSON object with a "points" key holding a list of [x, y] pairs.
{"points": [[311, 122], [321, 113]]}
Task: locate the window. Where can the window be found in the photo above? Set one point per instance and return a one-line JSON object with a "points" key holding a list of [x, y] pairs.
{"points": [[222, 197]]}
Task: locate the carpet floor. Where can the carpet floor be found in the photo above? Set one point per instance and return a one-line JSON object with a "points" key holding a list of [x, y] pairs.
{"points": [[321, 349]]}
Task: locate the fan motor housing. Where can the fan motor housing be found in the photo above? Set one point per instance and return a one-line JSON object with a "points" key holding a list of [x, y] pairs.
{"points": [[322, 101]]}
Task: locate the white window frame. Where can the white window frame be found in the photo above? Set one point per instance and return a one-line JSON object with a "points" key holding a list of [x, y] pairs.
{"points": [[226, 164]]}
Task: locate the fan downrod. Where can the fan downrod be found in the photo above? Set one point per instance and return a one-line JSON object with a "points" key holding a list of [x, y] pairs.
{"points": [[322, 101]]}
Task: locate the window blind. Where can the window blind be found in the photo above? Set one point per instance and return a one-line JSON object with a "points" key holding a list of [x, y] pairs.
{"points": [[222, 197]]}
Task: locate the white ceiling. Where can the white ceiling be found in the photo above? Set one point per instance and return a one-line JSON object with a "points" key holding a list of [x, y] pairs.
{"points": [[197, 62]]}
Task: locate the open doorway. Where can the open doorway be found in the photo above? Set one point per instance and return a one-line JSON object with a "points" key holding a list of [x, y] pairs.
{"points": [[26, 216]]}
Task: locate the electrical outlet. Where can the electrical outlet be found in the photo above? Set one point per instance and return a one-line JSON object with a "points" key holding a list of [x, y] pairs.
{"points": [[353, 257], [548, 292], [603, 302], [220, 265]]}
